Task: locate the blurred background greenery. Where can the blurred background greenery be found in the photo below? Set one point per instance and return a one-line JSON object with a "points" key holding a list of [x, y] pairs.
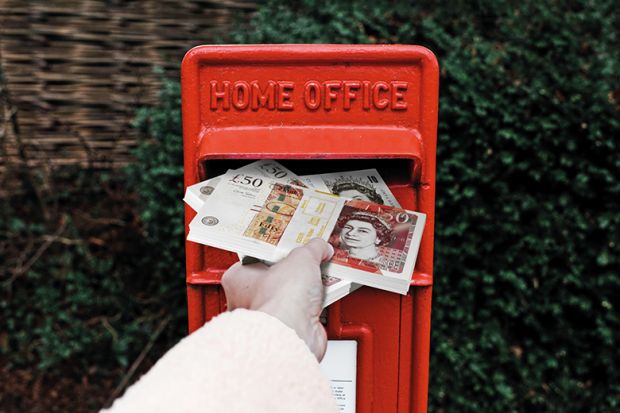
{"points": [[527, 283]]}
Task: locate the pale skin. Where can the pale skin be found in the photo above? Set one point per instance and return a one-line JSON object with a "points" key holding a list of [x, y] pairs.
{"points": [[290, 290], [360, 239], [353, 194]]}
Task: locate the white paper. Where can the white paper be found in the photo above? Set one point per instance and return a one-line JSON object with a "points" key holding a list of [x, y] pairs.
{"points": [[340, 366]]}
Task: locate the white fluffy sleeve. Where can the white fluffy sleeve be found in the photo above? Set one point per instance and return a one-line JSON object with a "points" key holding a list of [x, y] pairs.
{"points": [[241, 361]]}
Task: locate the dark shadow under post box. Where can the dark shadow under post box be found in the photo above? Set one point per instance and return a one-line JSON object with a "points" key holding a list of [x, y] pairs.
{"points": [[317, 109]]}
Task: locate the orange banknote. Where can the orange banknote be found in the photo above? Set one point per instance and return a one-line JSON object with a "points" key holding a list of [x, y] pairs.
{"points": [[275, 214]]}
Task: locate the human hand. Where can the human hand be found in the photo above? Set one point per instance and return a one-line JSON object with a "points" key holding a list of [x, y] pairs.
{"points": [[290, 290]]}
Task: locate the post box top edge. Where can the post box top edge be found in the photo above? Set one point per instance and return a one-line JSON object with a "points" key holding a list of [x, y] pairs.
{"points": [[302, 53]]}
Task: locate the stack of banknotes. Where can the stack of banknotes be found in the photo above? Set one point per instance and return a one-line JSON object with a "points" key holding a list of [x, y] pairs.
{"points": [[263, 211]]}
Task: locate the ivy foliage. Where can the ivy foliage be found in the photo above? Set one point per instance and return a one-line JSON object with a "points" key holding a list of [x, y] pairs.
{"points": [[157, 178], [525, 312], [77, 295]]}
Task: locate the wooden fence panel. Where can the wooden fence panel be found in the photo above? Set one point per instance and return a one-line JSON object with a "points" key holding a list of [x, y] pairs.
{"points": [[76, 71]]}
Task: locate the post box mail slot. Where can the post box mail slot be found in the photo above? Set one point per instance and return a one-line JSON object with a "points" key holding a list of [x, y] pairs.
{"points": [[316, 109]]}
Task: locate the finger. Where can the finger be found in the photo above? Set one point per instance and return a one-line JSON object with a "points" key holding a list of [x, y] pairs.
{"points": [[238, 271], [318, 340], [319, 249], [239, 281]]}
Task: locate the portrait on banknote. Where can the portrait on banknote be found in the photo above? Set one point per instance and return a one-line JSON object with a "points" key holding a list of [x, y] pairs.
{"points": [[372, 237], [348, 188]]}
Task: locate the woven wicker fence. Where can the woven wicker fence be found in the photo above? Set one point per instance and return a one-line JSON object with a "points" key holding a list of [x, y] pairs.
{"points": [[74, 72]]}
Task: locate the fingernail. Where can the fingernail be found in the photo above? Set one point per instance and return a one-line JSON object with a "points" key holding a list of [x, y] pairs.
{"points": [[331, 250]]}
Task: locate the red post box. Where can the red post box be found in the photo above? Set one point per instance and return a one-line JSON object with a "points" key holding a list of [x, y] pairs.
{"points": [[324, 108]]}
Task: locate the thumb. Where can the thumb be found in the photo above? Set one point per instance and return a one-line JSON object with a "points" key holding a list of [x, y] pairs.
{"points": [[318, 340], [320, 249]]}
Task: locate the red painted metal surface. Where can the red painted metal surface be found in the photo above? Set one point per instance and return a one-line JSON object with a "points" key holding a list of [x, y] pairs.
{"points": [[321, 108]]}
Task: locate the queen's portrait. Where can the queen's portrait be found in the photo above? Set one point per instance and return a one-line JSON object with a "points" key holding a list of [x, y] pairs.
{"points": [[361, 235]]}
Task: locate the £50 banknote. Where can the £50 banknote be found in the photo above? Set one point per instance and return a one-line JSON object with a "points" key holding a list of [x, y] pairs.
{"points": [[375, 244], [364, 185], [196, 194]]}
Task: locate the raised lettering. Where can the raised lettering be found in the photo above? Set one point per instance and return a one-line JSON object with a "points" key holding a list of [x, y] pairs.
{"points": [[350, 88], [312, 94], [398, 95], [266, 98], [241, 95], [366, 95], [330, 95], [377, 100], [221, 94], [285, 89]]}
